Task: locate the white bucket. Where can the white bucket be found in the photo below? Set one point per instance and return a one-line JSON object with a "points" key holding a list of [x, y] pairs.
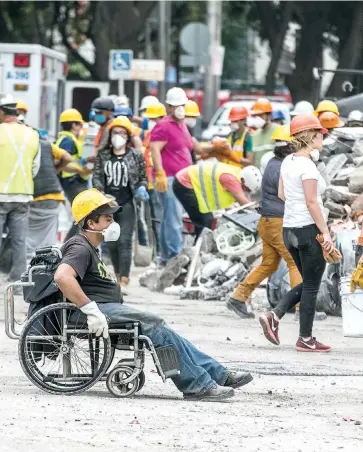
{"points": [[352, 309]]}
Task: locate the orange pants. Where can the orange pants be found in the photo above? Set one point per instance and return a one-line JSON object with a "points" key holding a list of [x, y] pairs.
{"points": [[273, 250]]}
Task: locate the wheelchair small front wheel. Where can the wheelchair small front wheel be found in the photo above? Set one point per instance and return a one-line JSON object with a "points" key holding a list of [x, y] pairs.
{"points": [[115, 383]]}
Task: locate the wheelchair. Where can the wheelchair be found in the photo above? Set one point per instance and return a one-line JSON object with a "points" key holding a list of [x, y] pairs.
{"points": [[56, 351]]}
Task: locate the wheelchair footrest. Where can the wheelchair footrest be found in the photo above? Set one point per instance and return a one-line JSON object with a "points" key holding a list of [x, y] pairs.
{"points": [[169, 361]]}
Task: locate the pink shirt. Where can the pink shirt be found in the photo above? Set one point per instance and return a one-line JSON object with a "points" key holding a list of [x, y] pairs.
{"points": [[228, 182], [176, 154]]}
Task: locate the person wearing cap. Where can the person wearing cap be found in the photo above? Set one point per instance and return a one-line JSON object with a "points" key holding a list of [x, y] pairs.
{"points": [[301, 187], [355, 119], [20, 161], [278, 117], [330, 121], [239, 140], [68, 139], [21, 111], [203, 189], [261, 111], [102, 111], [269, 229], [326, 106], [120, 172], [302, 108], [87, 283]]}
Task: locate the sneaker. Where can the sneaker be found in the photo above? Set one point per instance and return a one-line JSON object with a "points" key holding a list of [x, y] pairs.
{"points": [[312, 345], [124, 283], [238, 379], [215, 394], [239, 308], [270, 327]]}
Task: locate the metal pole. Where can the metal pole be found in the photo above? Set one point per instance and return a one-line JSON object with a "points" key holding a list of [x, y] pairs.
{"points": [[121, 86], [162, 45], [136, 95], [212, 82]]}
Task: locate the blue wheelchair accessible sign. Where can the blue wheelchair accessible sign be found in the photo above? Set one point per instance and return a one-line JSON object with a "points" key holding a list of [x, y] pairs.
{"points": [[120, 62]]}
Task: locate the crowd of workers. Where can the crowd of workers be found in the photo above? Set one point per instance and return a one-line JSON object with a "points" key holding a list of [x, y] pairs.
{"points": [[153, 158]]}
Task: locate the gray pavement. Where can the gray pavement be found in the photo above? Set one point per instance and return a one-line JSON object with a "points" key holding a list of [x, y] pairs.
{"points": [[273, 413]]}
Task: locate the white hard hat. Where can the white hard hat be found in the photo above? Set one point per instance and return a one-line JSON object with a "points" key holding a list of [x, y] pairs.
{"points": [[148, 100], [355, 115], [176, 96], [252, 178], [302, 107], [120, 101], [265, 159], [7, 100]]}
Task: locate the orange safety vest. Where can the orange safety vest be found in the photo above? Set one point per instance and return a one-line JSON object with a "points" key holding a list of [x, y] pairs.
{"points": [[148, 160]]}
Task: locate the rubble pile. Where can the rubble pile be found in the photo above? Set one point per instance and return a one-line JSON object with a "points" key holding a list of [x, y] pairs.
{"points": [[342, 169], [216, 274]]}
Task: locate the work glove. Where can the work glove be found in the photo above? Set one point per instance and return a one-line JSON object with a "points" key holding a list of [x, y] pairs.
{"points": [[357, 278], [333, 256], [141, 194], [161, 181], [222, 148], [96, 321]]}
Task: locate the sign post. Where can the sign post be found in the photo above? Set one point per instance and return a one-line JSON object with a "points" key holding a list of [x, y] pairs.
{"points": [[145, 70], [119, 66]]}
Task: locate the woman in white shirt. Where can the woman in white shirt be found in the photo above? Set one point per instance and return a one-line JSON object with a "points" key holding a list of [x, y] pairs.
{"points": [[301, 187]]}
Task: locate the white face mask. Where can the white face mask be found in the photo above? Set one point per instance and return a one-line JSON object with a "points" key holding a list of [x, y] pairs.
{"points": [[259, 122], [314, 153], [234, 126], [110, 234], [190, 122], [179, 112], [118, 141], [152, 124]]}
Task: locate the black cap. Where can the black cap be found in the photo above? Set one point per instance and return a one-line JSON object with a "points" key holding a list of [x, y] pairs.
{"points": [[110, 208]]}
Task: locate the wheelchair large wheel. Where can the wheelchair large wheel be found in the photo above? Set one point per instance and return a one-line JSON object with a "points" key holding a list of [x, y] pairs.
{"points": [[58, 360]]}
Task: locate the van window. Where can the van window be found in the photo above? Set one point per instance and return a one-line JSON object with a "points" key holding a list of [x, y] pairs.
{"points": [[82, 99]]}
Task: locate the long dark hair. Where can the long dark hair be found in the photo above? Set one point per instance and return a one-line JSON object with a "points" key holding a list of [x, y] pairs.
{"points": [[283, 151]]}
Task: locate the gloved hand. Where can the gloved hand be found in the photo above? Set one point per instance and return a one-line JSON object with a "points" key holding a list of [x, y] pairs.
{"points": [[96, 321], [357, 278], [141, 194], [222, 148], [333, 256], [161, 181]]}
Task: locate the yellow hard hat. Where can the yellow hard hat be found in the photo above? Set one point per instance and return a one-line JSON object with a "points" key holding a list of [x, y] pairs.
{"points": [[122, 121], [156, 110], [21, 106], [88, 201], [282, 133], [70, 115], [326, 105], [192, 109]]}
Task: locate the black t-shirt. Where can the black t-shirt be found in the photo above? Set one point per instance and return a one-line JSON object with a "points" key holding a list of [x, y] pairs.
{"points": [[117, 181], [94, 276]]}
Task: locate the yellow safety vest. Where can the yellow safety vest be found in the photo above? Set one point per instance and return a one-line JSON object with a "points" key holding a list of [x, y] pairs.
{"points": [[210, 194], [76, 157], [19, 145], [237, 149]]}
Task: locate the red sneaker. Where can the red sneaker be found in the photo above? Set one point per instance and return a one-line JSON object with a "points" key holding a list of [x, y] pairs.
{"points": [[312, 345], [270, 327]]}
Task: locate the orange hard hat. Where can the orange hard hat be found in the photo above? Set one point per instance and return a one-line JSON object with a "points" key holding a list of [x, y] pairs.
{"points": [[330, 120], [301, 123], [237, 113], [261, 106]]}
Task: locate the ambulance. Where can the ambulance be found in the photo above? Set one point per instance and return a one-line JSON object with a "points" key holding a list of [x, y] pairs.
{"points": [[36, 76]]}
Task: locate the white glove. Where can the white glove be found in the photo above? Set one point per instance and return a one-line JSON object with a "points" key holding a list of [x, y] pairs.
{"points": [[96, 321]]}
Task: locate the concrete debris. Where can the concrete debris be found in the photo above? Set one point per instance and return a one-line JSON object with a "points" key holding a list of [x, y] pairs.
{"points": [[342, 178], [340, 194], [335, 210], [335, 164], [356, 181], [213, 267]]}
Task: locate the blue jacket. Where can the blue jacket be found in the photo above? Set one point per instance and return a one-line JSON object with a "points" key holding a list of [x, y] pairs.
{"points": [[271, 205]]}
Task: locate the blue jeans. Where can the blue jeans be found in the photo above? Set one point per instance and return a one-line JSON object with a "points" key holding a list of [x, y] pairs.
{"points": [[198, 372], [171, 238]]}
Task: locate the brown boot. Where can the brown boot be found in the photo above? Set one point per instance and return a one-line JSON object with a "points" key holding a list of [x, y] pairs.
{"points": [[124, 282]]}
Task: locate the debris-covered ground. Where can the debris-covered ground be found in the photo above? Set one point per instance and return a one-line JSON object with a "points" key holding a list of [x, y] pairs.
{"points": [[273, 413]]}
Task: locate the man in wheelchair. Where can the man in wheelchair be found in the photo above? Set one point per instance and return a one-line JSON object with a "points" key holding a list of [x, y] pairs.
{"points": [[87, 282]]}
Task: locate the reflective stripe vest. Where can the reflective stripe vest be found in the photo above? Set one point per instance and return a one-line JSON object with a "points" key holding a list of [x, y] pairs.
{"points": [[75, 157], [19, 145], [210, 194], [237, 149]]}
